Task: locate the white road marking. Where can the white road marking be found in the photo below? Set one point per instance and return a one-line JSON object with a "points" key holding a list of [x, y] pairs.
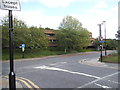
{"points": [[57, 63], [53, 64], [102, 86], [97, 80], [63, 70], [63, 62], [113, 82]]}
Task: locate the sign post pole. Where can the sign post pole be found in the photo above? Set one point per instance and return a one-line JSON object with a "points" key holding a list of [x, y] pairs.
{"points": [[11, 5], [12, 83], [23, 49], [100, 37]]}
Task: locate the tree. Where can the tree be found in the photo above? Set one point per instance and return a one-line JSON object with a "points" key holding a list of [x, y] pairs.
{"points": [[48, 28], [20, 32], [111, 44], [71, 34], [83, 38], [67, 39], [5, 32], [70, 23], [33, 37], [37, 38], [96, 43]]}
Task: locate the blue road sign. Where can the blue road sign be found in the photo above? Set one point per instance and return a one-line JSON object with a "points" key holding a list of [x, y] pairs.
{"points": [[101, 41], [23, 45]]}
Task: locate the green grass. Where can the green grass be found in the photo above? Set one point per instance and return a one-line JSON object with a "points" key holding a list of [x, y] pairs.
{"points": [[34, 53], [29, 53], [112, 58], [86, 50]]}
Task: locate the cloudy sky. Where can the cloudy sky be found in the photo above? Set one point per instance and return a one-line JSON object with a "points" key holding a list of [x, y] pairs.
{"points": [[49, 13]]}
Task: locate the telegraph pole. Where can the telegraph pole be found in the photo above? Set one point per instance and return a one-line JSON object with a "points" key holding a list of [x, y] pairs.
{"points": [[100, 39]]}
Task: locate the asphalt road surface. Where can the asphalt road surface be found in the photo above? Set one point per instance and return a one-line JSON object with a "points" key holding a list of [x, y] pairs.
{"points": [[63, 71]]}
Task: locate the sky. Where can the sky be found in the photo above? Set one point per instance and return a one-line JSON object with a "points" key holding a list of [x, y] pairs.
{"points": [[49, 13]]}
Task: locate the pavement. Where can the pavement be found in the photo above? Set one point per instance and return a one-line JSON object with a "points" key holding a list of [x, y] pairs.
{"points": [[4, 83], [97, 63]]}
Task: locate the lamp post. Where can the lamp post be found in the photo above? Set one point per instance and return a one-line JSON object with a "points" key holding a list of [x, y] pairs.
{"points": [[100, 39], [105, 36], [118, 36]]}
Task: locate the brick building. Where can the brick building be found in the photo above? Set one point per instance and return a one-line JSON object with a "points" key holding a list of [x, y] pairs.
{"points": [[52, 39]]}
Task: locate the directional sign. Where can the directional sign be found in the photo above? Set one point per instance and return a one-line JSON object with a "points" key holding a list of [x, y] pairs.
{"points": [[23, 45], [101, 41], [10, 5]]}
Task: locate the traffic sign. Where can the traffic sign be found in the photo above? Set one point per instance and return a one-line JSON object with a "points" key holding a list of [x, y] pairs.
{"points": [[101, 41], [101, 38], [10, 5], [23, 45]]}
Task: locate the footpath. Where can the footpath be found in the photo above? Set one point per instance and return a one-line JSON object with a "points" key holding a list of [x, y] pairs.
{"points": [[97, 63], [4, 83]]}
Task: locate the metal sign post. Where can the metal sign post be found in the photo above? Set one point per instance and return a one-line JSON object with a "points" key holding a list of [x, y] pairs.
{"points": [[12, 83], [11, 5], [100, 39], [23, 49]]}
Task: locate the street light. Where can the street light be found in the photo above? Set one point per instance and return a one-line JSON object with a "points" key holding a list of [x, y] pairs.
{"points": [[105, 36], [118, 36]]}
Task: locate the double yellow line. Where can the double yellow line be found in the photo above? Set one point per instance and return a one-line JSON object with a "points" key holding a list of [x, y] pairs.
{"points": [[28, 83]]}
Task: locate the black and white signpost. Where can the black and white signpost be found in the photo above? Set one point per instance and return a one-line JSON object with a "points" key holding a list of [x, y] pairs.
{"points": [[11, 5]]}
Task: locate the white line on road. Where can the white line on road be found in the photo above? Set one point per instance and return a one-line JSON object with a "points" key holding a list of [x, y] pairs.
{"points": [[58, 63], [64, 70], [102, 86], [97, 80], [113, 82]]}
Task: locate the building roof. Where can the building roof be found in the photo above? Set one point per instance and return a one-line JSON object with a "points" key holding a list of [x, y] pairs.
{"points": [[49, 31]]}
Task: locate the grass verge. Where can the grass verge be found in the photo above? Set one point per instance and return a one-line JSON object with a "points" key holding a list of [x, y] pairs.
{"points": [[34, 53], [29, 53], [112, 58]]}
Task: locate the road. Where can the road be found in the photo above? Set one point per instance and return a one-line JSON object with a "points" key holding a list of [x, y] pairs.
{"points": [[63, 71]]}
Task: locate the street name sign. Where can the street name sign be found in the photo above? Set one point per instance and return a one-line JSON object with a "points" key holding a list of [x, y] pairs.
{"points": [[10, 5], [101, 41]]}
